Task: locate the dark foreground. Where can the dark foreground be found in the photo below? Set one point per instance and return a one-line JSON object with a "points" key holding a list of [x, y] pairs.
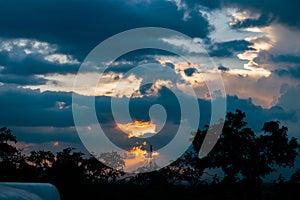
{"points": [[211, 192]]}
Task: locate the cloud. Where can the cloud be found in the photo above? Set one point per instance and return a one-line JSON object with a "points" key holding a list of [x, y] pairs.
{"points": [[26, 46], [287, 40], [283, 58], [31, 108], [286, 58], [291, 72], [40, 46], [80, 27], [263, 91], [138, 128], [289, 101], [110, 84], [257, 115], [34, 65], [285, 13], [289, 97], [21, 79], [222, 31], [230, 48], [23, 59], [61, 59], [138, 157], [42, 134], [189, 71], [43, 117], [259, 77], [189, 6], [223, 69], [155, 88], [187, 45], [20, 48], [53, 146]]}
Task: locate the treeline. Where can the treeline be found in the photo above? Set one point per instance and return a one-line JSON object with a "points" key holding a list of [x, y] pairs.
{"points": [[244, 157]]}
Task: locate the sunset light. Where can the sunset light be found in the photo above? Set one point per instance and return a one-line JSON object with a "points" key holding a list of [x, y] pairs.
{"points": [[183, 99], [138, 128]]}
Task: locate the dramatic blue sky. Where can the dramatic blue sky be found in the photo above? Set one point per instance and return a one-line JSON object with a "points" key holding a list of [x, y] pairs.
{"points": [[255, 45]]}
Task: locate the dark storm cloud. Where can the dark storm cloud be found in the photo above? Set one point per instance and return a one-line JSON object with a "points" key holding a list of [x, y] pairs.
{"points": [[46, 134], [190, 71], [24, 107], [139, 110], [226, 49], [21, 108], [286, 12], [289, 96], [135, 58], [285, 65], [223, 68], [33, 64], [21, 79], [78, 26], [292, 72], [37, 117], [256, 115], [169, 64], [139, 107], [286, 59]]}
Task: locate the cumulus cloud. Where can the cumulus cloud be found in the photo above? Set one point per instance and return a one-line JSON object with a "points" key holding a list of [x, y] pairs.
{"points": [[229, 48], [110, 84], [26, 46], [61, 59], [20, 48], [222, 31], [189, 45]]}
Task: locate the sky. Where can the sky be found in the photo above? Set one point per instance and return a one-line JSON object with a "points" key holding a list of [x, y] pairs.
{"points": [[46, 46]]}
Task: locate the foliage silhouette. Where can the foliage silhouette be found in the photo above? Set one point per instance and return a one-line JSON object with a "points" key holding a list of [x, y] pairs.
{"points": [[245, 158], [295, 177], [249, 157]]}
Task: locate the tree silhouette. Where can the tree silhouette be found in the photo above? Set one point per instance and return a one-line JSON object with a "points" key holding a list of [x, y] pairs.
{"points": [[112, 159], [188, 168], [295, 177], [108, 170], [68, 167], [10, 157], [42, 161], [6, 136], [249, 157], [150, 179]]}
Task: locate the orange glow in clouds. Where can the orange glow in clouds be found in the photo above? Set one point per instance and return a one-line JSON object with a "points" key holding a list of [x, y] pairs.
{"points": [[56, 144], [138, 128], [138, 157], [138, 151]]}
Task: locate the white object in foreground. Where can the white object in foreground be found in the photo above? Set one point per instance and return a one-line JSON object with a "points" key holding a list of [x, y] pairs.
{"points": [[28, 191]]}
